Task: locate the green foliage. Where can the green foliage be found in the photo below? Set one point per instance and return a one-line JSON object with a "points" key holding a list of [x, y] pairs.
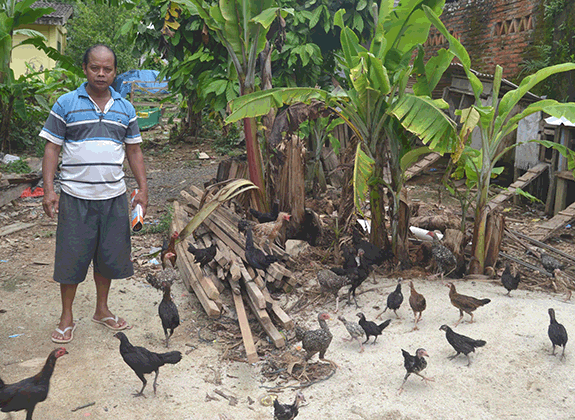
{"points": [[162, 226], [18, 167], [94, 23], [554, 43]]}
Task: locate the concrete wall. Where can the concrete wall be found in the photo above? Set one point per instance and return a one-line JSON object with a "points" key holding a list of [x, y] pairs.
{"points": [[29, 54]]}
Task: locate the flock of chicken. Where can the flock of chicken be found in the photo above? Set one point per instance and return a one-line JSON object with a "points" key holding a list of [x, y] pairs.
{"points": [[358, 262]]}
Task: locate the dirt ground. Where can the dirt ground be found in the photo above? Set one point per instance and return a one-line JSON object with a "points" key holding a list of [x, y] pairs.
{"points": [[513, 376]]}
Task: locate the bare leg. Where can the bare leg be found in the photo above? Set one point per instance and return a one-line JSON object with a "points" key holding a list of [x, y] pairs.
{"points": [[67, 293], [471, 322], [459, 320], [156, 380], [403, 383], [102, 311], [144, 382], [563, 353], [424, 378], [553, 353], [454, 356], [361, 344]]}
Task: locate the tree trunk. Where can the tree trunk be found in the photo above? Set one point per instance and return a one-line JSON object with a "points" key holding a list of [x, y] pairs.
{"points": [[494, 230], [255, 161], [402, 246], [377, 204], [291, 192], [7, 110], [477, 264]]}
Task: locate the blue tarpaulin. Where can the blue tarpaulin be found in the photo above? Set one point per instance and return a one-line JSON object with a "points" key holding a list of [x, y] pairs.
{"points": [[145, 78]]}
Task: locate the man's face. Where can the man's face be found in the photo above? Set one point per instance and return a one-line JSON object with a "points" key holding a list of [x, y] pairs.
{"points": [[100, 70]]}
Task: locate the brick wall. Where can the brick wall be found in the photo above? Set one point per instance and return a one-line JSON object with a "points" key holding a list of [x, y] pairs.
{"points": [[492, 31]]}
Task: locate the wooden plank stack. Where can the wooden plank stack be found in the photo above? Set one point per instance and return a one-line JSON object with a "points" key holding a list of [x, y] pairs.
{"points": [[230, 266]]}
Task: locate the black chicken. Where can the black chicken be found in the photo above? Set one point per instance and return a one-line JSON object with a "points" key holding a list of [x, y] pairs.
{"points": [[288, 411], [557, 333], [371, 328], [357, 276], [461, 343], [24, 395], [510, 281], [168, 312], [444, 258], [414, 364], [394, 300], [256, 257], [374, 255], [142, 360], [266, 217], [203, 256]]}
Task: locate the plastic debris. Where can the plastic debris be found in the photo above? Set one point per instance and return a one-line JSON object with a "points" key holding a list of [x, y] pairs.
{"points": [[154, 261], [14, 335], [9, 159]]}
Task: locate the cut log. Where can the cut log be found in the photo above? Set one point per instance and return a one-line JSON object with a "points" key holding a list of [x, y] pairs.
{"points": [[15, 227], [266, 322], [284, 319], [187, 268], [247, 337]]}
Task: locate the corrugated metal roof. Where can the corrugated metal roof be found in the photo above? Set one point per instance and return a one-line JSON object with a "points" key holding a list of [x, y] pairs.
{"points": [[59, 16]]}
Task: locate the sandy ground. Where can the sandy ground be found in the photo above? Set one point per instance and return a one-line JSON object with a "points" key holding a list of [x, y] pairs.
{"points": [[513, 376]]}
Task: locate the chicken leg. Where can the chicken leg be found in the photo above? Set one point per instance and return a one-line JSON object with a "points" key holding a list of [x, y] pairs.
{"points": [[144, 382], [418, 374]]}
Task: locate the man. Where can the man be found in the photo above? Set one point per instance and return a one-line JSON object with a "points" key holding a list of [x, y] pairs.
{"points": [[96, 128]]}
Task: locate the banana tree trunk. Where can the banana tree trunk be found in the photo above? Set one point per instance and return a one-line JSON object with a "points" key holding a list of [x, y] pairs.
{"points": [[377, 203], [255, 161], [7, 110], [477, 264]]}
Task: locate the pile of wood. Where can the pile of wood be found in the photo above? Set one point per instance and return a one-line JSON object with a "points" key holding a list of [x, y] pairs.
{"points": [[230, 266]]}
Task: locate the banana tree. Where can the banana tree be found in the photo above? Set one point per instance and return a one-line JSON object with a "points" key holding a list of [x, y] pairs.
{"points": [[378, 108], [495, 121], [241, 26], [14, 14]]}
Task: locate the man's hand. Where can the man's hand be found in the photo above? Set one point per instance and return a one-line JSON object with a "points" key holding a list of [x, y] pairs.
{"points": [[50, 203], [142, 199]]}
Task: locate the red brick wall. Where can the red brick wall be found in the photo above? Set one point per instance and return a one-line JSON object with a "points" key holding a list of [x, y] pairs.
{"points": [[492, 31]]}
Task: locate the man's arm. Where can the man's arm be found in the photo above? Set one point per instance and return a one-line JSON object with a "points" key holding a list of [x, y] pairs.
{"points": [[136, 161], [49, 165]]}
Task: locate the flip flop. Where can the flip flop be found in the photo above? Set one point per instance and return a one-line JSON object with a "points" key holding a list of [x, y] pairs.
{"points": [[63, 332], [110, 318]]}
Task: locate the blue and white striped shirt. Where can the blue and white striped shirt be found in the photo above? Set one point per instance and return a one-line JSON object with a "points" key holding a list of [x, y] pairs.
{"points": [[92, 142]]}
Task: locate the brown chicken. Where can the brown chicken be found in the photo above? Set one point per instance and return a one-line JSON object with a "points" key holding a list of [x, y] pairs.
{"points": [[24, 395], [266, 233], [315, 341], [464, 303], [417, 303], [171, 248]]}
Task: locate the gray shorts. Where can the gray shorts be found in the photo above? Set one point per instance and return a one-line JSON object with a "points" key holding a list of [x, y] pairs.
{"points": [[92, 230]]}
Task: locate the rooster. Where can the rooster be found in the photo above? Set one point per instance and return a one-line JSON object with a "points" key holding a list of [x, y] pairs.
{"points": [[414, 364], [142, 360], [510, 281], [24, 395], [168, 312], [256, 257], [464, 303], [371, 328], [266, 217], [288, 411], [203, 256], [168, 274], [169, 247], [265, 233]]}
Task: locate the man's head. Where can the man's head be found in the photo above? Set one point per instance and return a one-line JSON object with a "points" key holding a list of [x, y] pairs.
{"points": [[99, 65]]}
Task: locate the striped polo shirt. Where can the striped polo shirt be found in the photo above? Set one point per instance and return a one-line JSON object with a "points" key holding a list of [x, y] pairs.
{"points": [[92, 142]]}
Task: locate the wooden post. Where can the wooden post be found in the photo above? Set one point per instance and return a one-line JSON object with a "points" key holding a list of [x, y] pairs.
{"points": [[247, 337]]}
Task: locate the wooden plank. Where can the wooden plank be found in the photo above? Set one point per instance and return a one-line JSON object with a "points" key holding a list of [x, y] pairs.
{"points": [[547, 229], [15, 227], [543, 245], [266, 323], [186, 267], [252, 288], [521, 182], [247, 337], [284, 319], [9, 194]]}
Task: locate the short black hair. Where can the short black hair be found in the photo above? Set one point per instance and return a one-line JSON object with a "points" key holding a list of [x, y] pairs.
{"points": [[86, 57]]}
